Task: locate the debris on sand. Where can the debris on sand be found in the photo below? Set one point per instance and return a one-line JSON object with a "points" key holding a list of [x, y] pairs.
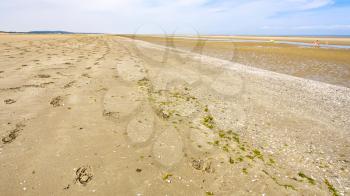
{"points": [[83, 175], [57, 101], [163, 114], [9, 101]]}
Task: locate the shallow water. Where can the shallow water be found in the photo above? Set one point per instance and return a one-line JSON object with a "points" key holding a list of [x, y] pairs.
{"points": [[304, 44]]}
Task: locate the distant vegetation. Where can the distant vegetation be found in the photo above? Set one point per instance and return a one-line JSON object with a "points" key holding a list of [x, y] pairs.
{"points": [[40, 32], [46, 32], [50, 32]]}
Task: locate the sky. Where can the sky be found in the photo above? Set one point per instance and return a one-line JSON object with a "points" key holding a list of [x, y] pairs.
{"points": [[218, 17]]}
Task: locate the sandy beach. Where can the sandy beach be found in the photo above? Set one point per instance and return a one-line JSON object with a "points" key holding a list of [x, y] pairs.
{"points": [[110, 115]]}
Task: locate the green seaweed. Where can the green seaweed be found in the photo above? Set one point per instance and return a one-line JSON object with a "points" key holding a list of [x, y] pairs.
{"points": [[331, 188], [242, 148], [225, 148], [236, 138], [250, 157], [286, 186], [216, 142], [222, 134], [166, 176], [231, 160], [258, 154], [310, 180], [208, 121]]}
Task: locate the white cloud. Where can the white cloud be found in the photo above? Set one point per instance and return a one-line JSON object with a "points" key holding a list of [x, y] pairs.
{"points": [[310, 27], [309, 4], [98, 5], [323, 27], [208, 16]]}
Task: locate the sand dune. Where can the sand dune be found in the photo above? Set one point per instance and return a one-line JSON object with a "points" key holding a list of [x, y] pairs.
{"points": [[107, 115]]}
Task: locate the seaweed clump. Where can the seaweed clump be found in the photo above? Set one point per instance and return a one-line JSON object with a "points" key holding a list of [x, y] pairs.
{"points": [[331, 188], [208, 121], [310, 180]]}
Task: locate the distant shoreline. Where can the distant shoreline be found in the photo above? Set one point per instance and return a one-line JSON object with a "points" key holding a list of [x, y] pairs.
{"points": [[341, 41], [201, 35], [45, 32]]}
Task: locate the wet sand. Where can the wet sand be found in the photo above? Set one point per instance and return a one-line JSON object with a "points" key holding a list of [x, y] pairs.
{"points": [[310, 39], [321, 64], [107, 115]]}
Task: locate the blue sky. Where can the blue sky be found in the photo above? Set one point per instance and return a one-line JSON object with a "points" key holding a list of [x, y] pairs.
{"points": [[261, 17]]}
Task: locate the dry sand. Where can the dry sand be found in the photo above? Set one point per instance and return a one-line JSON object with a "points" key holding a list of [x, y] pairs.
{"points": [[107, 115]]}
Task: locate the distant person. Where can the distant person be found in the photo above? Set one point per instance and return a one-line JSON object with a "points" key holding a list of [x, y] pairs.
{"points": [[317, 43]]}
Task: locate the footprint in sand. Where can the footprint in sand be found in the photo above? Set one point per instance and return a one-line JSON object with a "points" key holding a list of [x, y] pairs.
{"points": [[57, 101], [84, 175], [70, 84], [130, 72], [121, 101], [9, 101], [43, 76], [13, 134], [140, 129], [168, 148]]}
